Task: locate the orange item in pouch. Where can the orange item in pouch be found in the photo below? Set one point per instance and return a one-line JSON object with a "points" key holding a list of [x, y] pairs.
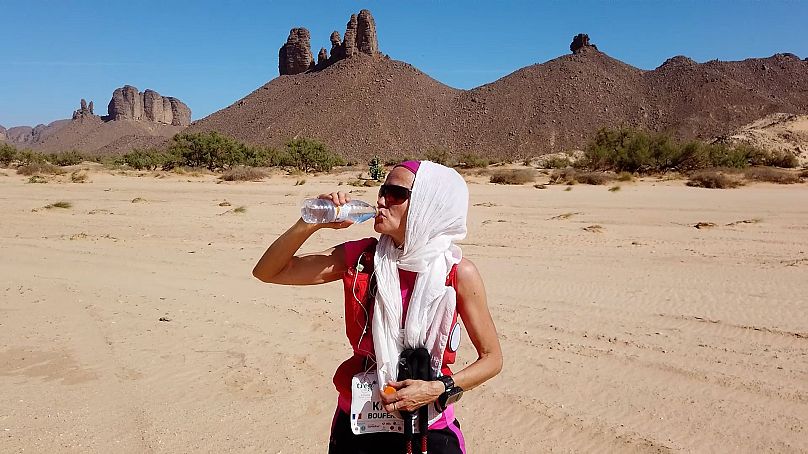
{"points": [[389, 389]]}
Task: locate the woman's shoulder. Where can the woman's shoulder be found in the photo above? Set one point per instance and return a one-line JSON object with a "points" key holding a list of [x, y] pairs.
{"points": [[468, 276], [466, 269], [353, 249]]}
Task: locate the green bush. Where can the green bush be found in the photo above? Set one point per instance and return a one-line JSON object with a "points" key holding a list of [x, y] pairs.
{"points": [[8, 154], [376, 169], [36, 168], [28, 157], [629, 150], [69, 158], [310, 155], [438, 156], [557, 162], [149, 160], [470, 161]]}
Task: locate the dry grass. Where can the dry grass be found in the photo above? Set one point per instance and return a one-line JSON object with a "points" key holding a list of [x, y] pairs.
{"points": [[771, 175], [225, 204], [138, 200], [79, 176], [571, 176], [242, 173], [60, 204], [241, 209], [540, 186], [569, 188], [746, 221], [804, 174], [625, 176], [300, 182], [563, 216], [39, 168], [363, 183], [614, 188], [595, 228], [713, 179], [513, 176], [37, 179]]}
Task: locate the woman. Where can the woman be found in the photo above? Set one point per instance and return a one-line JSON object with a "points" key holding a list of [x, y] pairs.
{"points": [[422, 284]]}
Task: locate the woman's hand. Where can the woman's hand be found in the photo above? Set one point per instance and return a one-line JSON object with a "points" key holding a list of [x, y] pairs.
{"points": [[339, 198], [411, 395]]}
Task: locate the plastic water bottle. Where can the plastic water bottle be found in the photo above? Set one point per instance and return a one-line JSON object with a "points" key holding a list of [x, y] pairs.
{"points": [[321, 211]]}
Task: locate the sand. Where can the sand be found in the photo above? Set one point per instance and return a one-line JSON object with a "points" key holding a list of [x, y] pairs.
{"points": [[643, 335]]}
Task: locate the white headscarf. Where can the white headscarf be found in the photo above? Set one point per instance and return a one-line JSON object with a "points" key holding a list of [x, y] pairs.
{"points": [[436, 219]]}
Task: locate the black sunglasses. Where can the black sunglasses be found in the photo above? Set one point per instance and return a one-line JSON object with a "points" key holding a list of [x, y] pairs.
{"points": [[394, 194]]}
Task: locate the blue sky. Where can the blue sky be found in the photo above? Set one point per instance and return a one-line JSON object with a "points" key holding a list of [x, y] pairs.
{"points": [[211, 53]]}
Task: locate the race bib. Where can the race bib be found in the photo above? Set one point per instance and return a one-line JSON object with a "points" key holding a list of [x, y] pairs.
{"points": [[367, 409]]}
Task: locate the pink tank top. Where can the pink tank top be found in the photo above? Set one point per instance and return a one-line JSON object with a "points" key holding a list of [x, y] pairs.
{"points": [[407, 282]]}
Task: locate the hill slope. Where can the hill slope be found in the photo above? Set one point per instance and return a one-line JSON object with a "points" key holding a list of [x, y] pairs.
{"points": [[363, 105]]}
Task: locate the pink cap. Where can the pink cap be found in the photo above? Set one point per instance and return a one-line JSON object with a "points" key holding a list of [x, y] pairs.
{"points": [[412, 166]]}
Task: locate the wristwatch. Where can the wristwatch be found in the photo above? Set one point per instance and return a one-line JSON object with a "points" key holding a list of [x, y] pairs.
{"points": [[451, 395]]}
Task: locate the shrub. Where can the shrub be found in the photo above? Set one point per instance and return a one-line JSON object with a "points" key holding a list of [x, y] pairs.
{"points": [[625, 176], [513, 176], [636, 151], [594, 178], [37, 179], [438, 156], [376, 169], [393, 161], [28, 157], [771, 175], [614, 188], [39, 168], [561, 176], [557, 162], [8, 154], [78, 176], [804, 174], [241, 173], [310, 155], [69, 158], [149, 160], [712, 179], [471, 161], [783, 159]]}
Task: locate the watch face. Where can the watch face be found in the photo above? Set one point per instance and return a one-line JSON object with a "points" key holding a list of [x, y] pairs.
{"points": [[454, 395]]}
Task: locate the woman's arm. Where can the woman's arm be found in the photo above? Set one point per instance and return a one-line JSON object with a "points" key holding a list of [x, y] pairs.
{"points": [[472, 306], [280, 265], [473, 309]]}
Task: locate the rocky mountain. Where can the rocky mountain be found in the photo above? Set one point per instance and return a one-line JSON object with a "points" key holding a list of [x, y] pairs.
{"points": [[361, 102], [134, 119], [128, 103]]}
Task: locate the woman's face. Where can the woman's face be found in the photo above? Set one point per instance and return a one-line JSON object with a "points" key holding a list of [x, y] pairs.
{"points": [[392, 218]]}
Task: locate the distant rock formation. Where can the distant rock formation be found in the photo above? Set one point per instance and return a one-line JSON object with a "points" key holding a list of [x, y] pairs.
{"points": [[128, 103], [2, 134], [84, 111], [580, 42], [678, 61], [295, 55]]}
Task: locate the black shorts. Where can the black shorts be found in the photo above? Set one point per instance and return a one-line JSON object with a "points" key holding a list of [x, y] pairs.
{"points": [[343, 441]]}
